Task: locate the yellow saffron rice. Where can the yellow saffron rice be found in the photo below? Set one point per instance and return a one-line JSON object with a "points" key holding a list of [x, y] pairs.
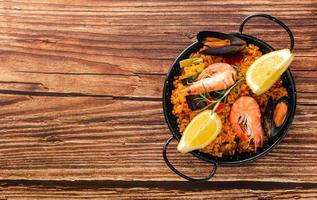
{"points": [[226, 142]]}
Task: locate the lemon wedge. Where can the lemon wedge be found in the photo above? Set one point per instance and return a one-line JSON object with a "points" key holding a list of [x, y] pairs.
{"points": [[202, 130], [267, 69]]}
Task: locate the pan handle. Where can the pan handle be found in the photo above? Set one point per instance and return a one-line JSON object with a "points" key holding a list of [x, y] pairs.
{"points": [[212, 173], [290, 34]]}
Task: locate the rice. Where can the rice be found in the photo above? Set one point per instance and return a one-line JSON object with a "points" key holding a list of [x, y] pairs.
{"points": [[226, 143]]}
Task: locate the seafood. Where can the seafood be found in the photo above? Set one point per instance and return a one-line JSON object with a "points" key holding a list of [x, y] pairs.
{"points": [[268, 118], [276, 112], [194, 103], [222, 98], [217, 82], [280, 113], [220, 43], [217, 76], [245, 118]]}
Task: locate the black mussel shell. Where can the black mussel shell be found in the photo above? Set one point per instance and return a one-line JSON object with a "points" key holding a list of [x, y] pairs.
{"points": [[236, 44], [215, 95], [268, 122], [194, 102]]}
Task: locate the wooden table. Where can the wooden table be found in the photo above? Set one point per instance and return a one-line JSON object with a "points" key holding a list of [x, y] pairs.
{"points": [[80, 95]]}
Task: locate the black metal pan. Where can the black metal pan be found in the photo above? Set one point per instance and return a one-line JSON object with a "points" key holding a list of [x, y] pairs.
{"points": [[242, 158]]}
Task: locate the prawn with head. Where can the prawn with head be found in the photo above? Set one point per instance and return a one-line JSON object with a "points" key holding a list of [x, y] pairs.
{"points": [[217, 76], [245, 118]]}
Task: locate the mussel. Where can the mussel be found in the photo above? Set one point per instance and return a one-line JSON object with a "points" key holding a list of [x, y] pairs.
{"points": [[280, 113], [267, 121], [275, 115], [194, 102], [220, 43]]}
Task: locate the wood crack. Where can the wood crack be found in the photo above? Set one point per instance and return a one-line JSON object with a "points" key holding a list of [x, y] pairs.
{"points": [[77, 94], [180, 185], [75, 73]]}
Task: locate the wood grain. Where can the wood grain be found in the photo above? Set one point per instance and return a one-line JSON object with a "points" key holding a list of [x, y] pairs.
{"points": [[88, 138], [80, 95], [99, 80], [159, 190]]}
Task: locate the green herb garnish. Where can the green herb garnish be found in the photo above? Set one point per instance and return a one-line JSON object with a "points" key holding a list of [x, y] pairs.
{"points": [[215, 102], [190, 61]]}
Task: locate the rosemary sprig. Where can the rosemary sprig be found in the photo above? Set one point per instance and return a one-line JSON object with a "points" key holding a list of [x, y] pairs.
{"points": [[237, 68], [225, 95], [206, 91], [204, 98], [215, 103], [220, 92]]}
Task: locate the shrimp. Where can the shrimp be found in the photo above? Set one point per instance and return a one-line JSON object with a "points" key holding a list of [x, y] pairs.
{"points": [[217, 76], [245, 118]]}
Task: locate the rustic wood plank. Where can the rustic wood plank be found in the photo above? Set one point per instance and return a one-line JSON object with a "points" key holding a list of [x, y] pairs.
{"points": [[102, 139], [95, 31], [158, 190], [85, 81], [28, 62], [25, 72], [116, 86]]}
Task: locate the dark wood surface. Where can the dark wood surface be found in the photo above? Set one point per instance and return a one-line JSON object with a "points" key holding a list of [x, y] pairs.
{"points": [[80, 95]]}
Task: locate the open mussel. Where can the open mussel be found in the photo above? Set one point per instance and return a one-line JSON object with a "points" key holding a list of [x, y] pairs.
{"points": [[217, 43], [280, 112], [275, 115]]}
